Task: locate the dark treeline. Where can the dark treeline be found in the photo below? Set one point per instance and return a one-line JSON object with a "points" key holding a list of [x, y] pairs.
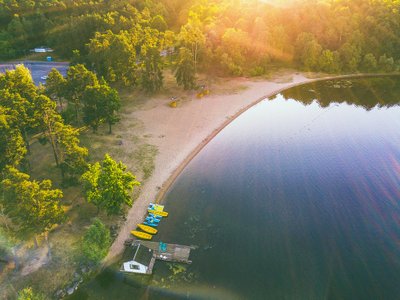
{"points": [[365, 92], [121, 40]]}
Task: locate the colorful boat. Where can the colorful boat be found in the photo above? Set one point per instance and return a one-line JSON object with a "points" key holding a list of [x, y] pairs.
{"points": [[156, 207], [142, 235], [147, 228], [159, 213], [152, 224], [158, 217], [152, 220]]}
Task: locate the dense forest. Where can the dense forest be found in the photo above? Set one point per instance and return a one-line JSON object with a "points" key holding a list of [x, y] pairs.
{"points": [[121, 40], [128, 43]]}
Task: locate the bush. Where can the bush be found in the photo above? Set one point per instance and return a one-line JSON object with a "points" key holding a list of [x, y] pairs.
{"points": [[386, 63], [369, 63], [256, 71], [96, 242], [28, 294]]}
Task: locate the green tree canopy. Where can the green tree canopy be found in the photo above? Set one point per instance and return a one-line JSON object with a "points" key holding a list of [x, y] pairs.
{"points": [[33, 206], [96, 242], [369, 63], [12, 146], [29, 294], [101, 104], [107, 185], [113, 56], [185, 72], [78, 79], [55, 86]]}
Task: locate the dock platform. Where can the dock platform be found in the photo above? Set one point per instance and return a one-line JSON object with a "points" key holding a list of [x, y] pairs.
{"points": [[173, 252], [170, 252]]}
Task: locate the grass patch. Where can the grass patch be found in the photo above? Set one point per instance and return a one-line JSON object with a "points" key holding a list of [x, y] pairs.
{"points": [[145, 156]]}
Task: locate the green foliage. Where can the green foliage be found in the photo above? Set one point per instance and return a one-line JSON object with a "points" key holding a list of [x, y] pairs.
{"points": [[68, 155], [78, 79], [55, 86], [350, 56], [19, 81], [192, 37], [386, 64], [159, 23], [185, 71], [329, 61], [113, 32], [369, 63], [101, 104], [96, 242], [113, 56], [151, 73], [151, 65], [33, 206], [107, 185], [308, 50], [28, 294], [12, 146]]}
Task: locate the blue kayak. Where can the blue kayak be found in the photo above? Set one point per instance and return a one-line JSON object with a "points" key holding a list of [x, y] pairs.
{"points": [[150, 224], [154, 220], [155, 216]]}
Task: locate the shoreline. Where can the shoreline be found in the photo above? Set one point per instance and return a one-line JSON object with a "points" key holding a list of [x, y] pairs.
{"points": [[157, 186]]}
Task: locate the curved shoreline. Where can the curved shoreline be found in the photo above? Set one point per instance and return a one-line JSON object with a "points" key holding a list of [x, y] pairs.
{"points": [[165, 178], [171, 179]]}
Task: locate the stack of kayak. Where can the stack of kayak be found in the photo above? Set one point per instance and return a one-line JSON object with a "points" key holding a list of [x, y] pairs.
{"points": [[156, 213]]}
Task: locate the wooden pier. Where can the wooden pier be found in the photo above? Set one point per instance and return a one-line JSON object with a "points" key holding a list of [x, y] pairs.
{"points": [[170, 252], [173, 252]]}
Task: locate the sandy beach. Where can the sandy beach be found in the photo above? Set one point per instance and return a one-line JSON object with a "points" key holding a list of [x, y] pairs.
{"points": [[180, 133]]}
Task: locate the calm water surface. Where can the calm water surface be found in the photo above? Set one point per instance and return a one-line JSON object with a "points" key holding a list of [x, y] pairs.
{"points": [[298, 198]]}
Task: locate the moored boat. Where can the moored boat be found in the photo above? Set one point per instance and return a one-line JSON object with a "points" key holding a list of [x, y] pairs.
{"points": [[147, 228], [158, 217], [159, 213], [156, 207], [152, 224], [141, 235], [152, 220]]}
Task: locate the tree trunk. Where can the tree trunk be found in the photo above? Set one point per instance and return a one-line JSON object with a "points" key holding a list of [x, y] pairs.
{"points": [[61, 104], [15, 258], [46, 236], [195, 58], [76, 112], [25, 138], [54, 147], [35, 241], [109, 128]]}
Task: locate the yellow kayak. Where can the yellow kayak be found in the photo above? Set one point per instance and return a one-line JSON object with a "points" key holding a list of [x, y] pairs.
{"points": [[142, 235], [159, 213], [157, 207], [148, 229]]}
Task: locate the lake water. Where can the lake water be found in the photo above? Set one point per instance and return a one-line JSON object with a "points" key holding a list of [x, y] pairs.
{"points": [[298, 198]]}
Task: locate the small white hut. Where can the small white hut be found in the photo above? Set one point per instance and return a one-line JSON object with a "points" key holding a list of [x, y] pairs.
{"points": [[142, 258]]}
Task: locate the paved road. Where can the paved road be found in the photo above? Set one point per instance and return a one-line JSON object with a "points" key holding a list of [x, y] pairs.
{"points": [[38, 69]]}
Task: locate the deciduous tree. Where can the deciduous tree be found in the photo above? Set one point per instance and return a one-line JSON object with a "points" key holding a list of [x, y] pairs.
{"points": [[101, 104], [96, 242], [33, 206], [78, 78], [107, 185], [185, 72], [55, 86]]}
